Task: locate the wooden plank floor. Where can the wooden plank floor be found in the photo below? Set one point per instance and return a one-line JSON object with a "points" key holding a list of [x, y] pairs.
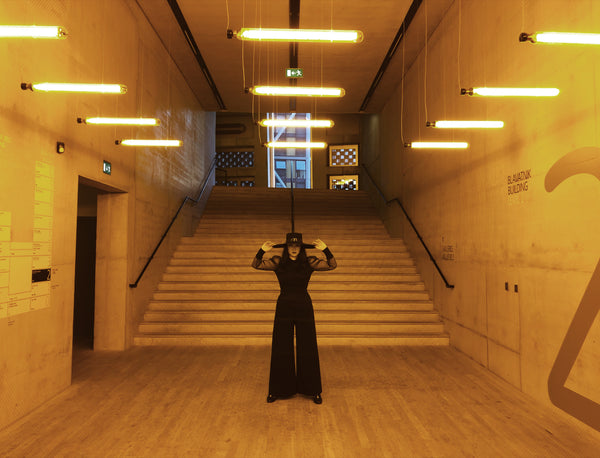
{"points": [[210, 401]]}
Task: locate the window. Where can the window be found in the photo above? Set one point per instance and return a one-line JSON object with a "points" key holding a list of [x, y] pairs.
{"points": [[289, 165]]}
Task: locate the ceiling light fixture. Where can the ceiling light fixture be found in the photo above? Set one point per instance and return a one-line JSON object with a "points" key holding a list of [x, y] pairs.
{"points": [[136, 142], [316, 145], [312, 123], [511, 91], [32, 31], [76, 87], [561, 38], [295, 91], [120, 121], [305, 35], [466, 124], [437, 145]]}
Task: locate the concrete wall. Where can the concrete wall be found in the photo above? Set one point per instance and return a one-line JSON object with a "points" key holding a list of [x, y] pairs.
{"points": [[345, 131], [535, 235], [109, 41]]}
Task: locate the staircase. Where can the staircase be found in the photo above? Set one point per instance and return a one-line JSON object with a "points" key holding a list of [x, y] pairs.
{"points": [[210, 294]]}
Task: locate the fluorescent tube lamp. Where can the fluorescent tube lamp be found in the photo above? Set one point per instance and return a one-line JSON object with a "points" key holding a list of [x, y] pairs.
{"points": [[32, 31], [312, 123], [294, 91], [306, 35], [511, 91], [296, 145], [76, 87], [135, 142], [120, 121], [561, 38], [437, 145], [466, 124]]}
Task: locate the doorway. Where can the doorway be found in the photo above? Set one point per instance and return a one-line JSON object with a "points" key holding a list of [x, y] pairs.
{"points": [[85, 268], [100, 297]]}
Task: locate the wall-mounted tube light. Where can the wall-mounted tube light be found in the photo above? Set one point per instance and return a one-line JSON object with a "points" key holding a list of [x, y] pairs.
{"points": [[295, 91], [466, 124], [316, 145], [119, 121], [312, 123], [437, 145], [76, 87], [32, 31], [511, 91], [561, 38], [305, 35], [136, 142]]}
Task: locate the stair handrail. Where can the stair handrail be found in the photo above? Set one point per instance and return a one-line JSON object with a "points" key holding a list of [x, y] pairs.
{"points": [[187, 198], [395, 199]]}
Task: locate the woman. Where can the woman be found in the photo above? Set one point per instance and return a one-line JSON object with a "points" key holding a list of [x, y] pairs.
{"points": [[294, 309]]}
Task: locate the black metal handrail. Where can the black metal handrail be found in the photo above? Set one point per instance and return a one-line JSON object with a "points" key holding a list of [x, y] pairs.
{"points": [[388, 202], [187, 198]]}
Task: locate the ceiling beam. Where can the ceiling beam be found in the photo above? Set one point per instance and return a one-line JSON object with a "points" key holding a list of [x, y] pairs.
{"points": [[412, 11], [196, 51]]}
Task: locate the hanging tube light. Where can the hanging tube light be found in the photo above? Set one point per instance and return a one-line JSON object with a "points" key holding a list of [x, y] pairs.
{"points": [[312, 123], [119, 121], [437, 145], [32, 31], [466, 124], [76, 87], [304, 35], [316, 145], [511, 91], [561, 38], [140, 142], [295, 91]]}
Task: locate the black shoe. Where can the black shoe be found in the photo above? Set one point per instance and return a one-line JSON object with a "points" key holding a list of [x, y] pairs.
{"points": [[317, 399], [271, 398]]}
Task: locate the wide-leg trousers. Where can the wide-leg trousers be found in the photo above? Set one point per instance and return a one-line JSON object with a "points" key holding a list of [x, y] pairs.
{"points": [[301, 374]]}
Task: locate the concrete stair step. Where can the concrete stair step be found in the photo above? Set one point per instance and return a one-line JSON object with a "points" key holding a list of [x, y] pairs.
{"points": [[343, 263], [268, 315], [317, 296], [253, 304], [168, 327], [268, 285], [239, 256], [225, 269], [265, 339], [257, 275]]}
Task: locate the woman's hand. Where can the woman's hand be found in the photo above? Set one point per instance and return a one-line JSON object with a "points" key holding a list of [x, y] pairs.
{"points": [[267, 246], [319, 244]]}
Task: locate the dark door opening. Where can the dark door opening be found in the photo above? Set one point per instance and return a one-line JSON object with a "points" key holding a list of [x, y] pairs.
{"points": [[85, 269]]}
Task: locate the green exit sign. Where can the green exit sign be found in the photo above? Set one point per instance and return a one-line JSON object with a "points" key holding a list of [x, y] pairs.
{"points": [[294, 72], [106, 168]]}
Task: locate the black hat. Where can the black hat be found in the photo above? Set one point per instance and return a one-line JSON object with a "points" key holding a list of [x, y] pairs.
{"points": [[294, 238]]}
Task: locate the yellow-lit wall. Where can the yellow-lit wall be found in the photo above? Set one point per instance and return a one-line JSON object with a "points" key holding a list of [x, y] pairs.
{"points": [[546, 242], [109, 41]]}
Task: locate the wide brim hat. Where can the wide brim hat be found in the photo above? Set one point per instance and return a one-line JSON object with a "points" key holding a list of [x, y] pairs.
{"points": [[294, 238]]}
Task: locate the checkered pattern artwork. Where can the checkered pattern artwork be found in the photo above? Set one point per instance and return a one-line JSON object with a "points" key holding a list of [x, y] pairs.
{"points": [[343, 155], [234, 182], [232, 159], [343, 182]]}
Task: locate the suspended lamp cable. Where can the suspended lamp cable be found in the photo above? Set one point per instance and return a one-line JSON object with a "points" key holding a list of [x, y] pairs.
{"points": [[425, 67], [458, 48]]}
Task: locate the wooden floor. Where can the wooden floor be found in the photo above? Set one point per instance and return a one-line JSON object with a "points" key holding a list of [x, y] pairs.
{"points": [[210, 401]]}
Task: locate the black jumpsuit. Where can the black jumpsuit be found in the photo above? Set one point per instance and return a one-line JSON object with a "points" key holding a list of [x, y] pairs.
{"points": [[294, 308]]}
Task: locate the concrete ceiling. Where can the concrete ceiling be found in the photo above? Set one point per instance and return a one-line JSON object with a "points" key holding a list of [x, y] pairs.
{"points": [[233, 65]]}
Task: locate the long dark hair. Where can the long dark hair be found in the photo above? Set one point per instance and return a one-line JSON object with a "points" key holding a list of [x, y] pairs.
{"points": [[302, 257]]}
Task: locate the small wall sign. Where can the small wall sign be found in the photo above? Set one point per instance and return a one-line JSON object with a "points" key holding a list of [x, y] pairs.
{"points": [[106, 167]]}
